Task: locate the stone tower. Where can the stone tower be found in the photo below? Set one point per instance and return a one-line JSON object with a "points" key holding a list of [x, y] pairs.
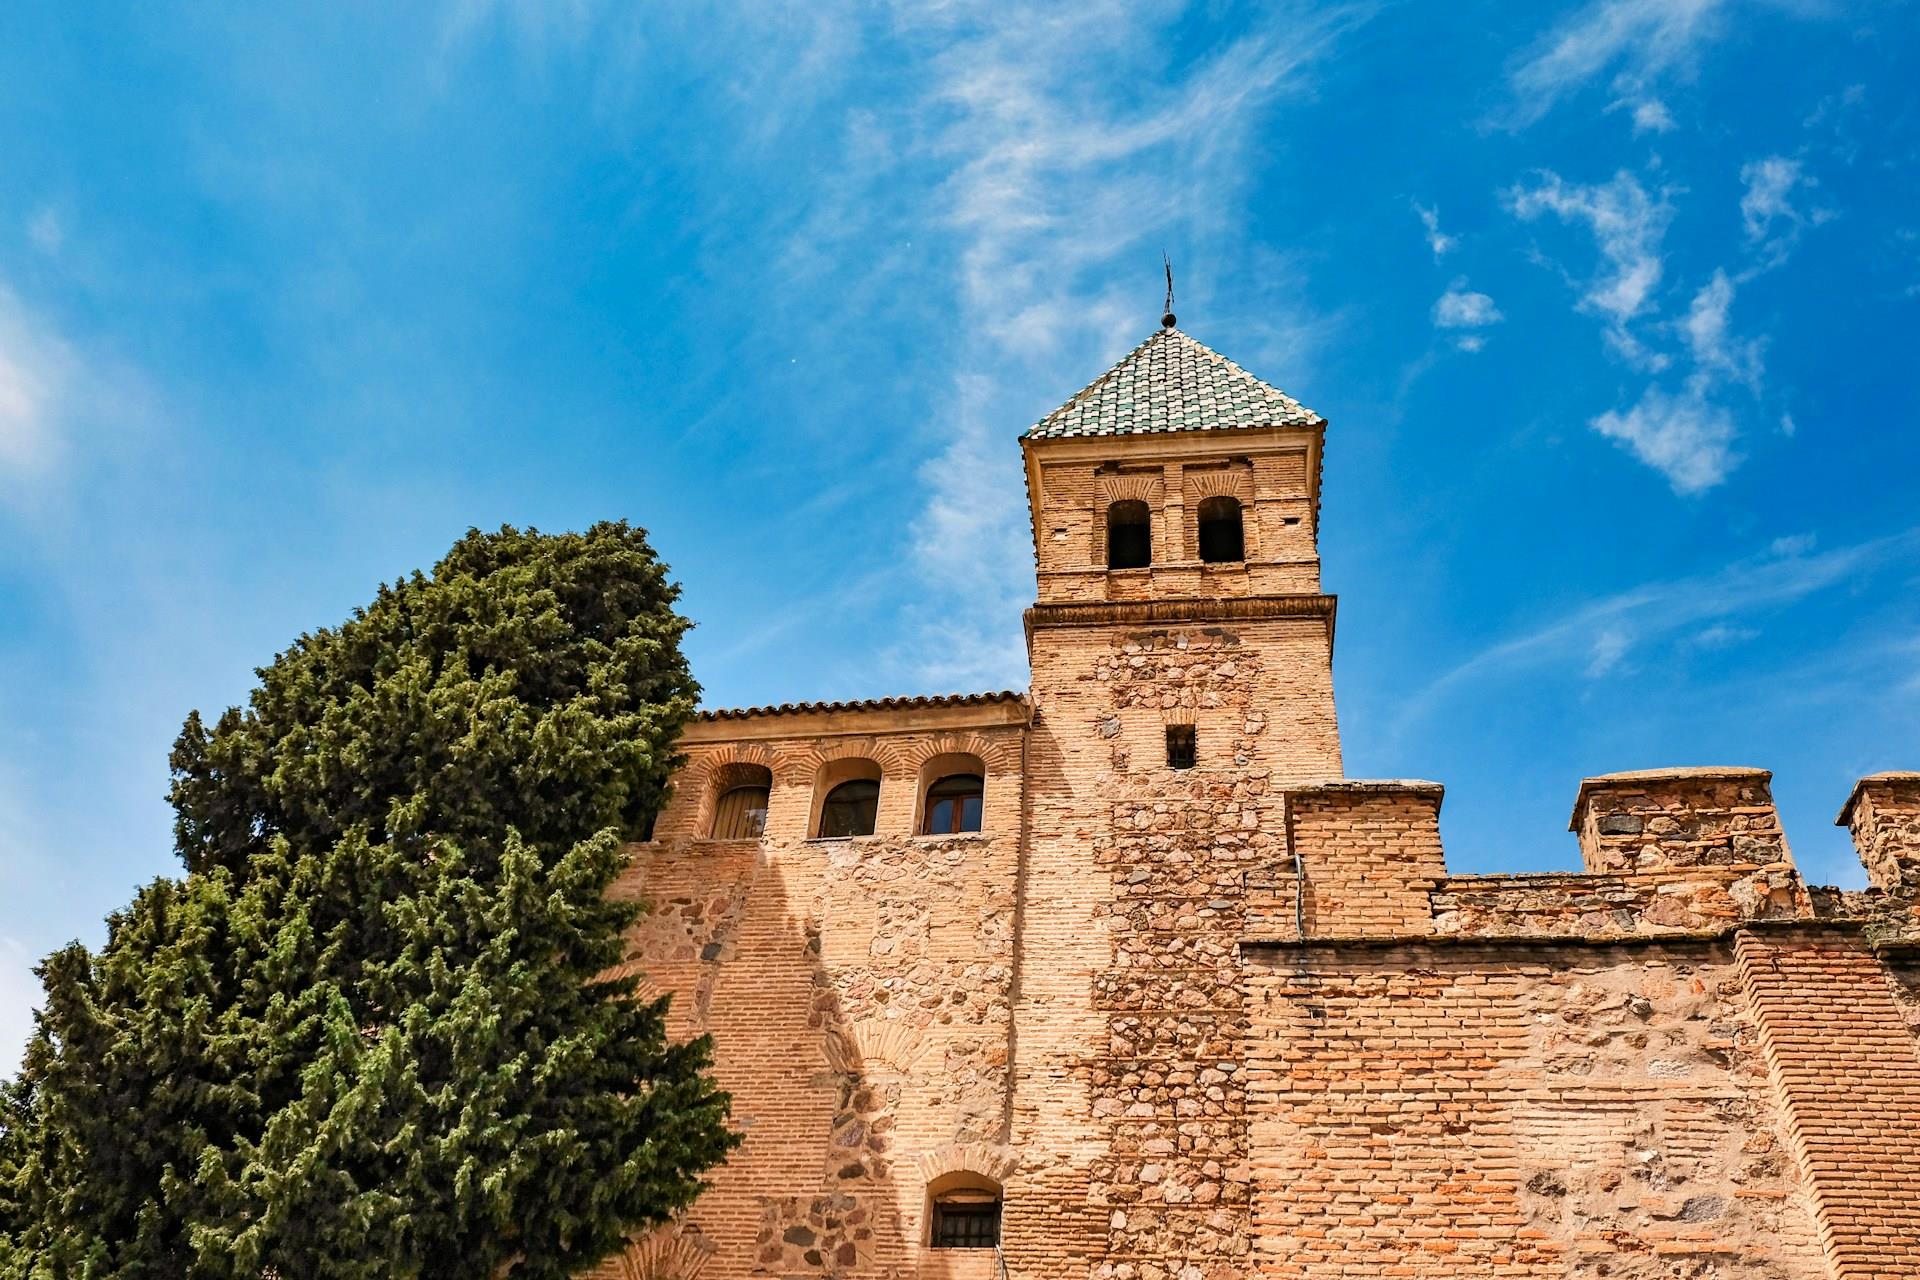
{"points": [[1181, 652]]}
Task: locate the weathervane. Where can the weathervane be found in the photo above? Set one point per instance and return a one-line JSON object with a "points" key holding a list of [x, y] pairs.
{"points": [[1167, 317]]}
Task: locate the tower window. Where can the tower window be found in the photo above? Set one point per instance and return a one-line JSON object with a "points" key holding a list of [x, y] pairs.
{"points": [[1222, 539], [953, 804], [741, 814], [1129, 535], [966, 1220], [1181, 748], [850, 809]]}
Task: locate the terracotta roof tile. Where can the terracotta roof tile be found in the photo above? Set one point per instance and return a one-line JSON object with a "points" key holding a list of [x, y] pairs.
{"points": [[865, 704], [1170, 382]]}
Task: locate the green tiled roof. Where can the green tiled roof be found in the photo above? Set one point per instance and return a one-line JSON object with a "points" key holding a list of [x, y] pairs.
{"points": [[1172, 383]]}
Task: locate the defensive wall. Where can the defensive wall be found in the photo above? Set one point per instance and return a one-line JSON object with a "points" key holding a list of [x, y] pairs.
{"points": [[1121, 978], [1306, 1049]]}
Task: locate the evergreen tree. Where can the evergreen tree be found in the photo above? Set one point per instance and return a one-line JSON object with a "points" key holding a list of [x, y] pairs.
{"points": [[372, 1032]]}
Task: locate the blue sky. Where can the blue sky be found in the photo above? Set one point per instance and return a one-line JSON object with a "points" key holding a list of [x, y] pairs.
{"points": [[1611, 306]]}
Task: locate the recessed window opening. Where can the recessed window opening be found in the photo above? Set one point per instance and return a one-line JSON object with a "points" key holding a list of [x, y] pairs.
{"points": [[741, 813], [966, 1219], [1182, 750], [1222, 539], [953, 804], [1129, 535], [850, 809]]}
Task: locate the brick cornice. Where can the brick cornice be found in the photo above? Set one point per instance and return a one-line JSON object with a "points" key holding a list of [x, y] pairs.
{"points": [[1156, 612]]}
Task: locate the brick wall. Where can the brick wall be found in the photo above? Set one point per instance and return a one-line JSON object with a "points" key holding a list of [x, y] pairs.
{"points": [[1845, 1068], [858, 992]]}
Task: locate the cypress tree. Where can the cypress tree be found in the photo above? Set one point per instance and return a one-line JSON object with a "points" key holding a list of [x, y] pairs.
{"points": [[377, 1029]]}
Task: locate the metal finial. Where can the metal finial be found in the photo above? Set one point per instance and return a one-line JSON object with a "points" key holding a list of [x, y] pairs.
{"points": [[1167, 316]]}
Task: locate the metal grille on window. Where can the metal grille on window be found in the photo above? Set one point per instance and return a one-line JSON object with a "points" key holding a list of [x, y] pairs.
{"points": [[741, 814], [966, 1224]]}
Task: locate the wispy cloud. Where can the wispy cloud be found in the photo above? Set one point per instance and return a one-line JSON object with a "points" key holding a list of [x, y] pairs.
{"points": [[1596, 639], [1715, 350], [1771, 210], [1686, 433], [1439, 241], [1633, 41], [1058, 180], [1627, 226]]}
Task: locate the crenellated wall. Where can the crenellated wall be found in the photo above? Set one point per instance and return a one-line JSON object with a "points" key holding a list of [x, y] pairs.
{"points": [[1238, 1020]]}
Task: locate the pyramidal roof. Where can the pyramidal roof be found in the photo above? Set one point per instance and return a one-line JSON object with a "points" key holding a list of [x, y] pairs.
{"points": [[1172, 383]]}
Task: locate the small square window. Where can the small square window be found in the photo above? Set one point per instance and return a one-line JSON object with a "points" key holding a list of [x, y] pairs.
{"points": [[1181, 750]]}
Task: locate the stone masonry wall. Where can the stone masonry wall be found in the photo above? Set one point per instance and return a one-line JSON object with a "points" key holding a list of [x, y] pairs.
{"points": [[1130, 1114], [1486, 1111], [858, 992]]}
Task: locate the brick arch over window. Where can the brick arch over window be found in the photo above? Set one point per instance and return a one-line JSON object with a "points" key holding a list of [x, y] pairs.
{"points": [[982, 1159], [999, 755], [670, 1253], [802, 764], [942, 809], [835, 784], [1135, 486], [745, 769]]}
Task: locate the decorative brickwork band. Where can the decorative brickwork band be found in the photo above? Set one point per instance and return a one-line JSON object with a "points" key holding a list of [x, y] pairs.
{"points": [[1148, 612], [1845, 1066]]}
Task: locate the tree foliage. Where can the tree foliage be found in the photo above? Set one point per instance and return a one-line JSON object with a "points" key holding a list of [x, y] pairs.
{"points": [[378, 1028]]}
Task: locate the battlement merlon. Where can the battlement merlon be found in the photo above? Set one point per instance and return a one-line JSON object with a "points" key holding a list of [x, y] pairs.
{"points": [[1883, 814]]}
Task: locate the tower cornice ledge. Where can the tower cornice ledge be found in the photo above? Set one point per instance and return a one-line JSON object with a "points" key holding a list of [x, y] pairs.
{"points": [[1083, 613]]}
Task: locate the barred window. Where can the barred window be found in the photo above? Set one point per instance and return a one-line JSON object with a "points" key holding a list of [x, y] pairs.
{"points": [[966, 1220]]}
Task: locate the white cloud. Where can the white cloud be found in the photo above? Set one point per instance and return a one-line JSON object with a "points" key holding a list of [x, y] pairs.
{"points": [[1636, 40], [1769, 209], [1713, 346], [1437, 240], [1686, 437], [1652, 116], [1462, 308], [1628, 227]]}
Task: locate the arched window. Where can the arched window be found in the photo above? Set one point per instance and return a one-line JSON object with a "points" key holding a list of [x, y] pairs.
{"points": [[1129, 535], [849, 809], [953, 804], [964, 1209], [1222, 540], [741, 814]]}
